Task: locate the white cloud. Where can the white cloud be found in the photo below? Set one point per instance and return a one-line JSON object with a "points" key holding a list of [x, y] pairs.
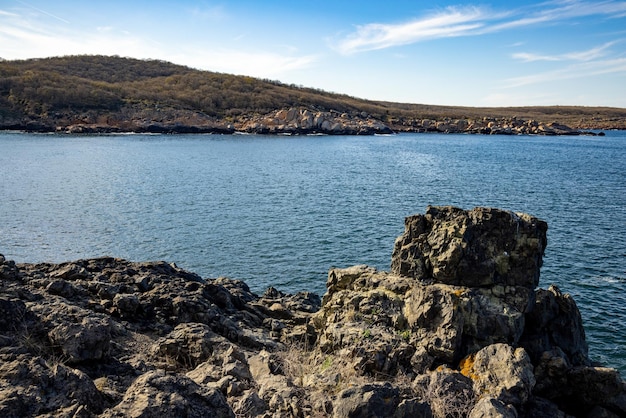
{"points": [[215, 13], [470, 21], [23, 38], [5, 13], [588, 55], [530, 57], [451, 22], [573, 71], [42, 11]]}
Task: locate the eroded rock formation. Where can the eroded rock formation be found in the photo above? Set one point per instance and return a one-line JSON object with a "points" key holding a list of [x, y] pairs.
{"points": [[456, 328]]}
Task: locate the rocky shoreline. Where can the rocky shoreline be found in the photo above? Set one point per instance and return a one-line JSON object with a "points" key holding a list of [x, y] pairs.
{"points": [[457, 328], [292, 121]]}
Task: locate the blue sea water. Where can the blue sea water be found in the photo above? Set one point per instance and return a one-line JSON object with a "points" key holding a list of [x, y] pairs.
{"points": [[280, 211]]}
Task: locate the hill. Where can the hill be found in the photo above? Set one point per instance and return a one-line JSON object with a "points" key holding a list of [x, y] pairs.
{"points": [[103, 93]]}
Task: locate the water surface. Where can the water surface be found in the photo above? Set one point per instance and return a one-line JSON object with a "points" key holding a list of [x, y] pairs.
{"points": [[280, 211]]}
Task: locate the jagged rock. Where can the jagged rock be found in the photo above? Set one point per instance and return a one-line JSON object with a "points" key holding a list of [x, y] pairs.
{"points": [[596, 387], [276, 389], [555, 321], [413, 408], [305, 121], [250, 405], [371, 400], [87, 341], [538, 407], [12, 312], [32, 386], [487, 265], [477, 248], [189, 344], [448, 392], [8, 269], [156, 394], [488, 407], [551, 374], [502, 372]]}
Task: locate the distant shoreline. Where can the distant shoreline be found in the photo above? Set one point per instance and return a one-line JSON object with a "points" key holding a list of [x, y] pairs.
{"points": [[301, 121]]}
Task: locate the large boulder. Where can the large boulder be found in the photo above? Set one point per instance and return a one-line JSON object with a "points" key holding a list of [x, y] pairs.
{"points": [[502, 372], [555, 321], [371, 400], [475, 248], [32, 386], [157, 394], [88, 341]]}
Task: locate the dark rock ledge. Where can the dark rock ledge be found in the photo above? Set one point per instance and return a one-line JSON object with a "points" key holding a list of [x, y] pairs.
{"points": [[456, 329], [291, 121]]}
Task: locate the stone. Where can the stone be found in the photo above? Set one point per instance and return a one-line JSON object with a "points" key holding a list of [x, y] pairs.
{"points": [[448, 392], [555, 321], [502, 372], [126, 306], [488, 407], [189, 344], [8, 269], [476, 248], [30, 386], [413, 408], [371, 400], [12, 313], [157, 394], [88, 341], [250, 405], [594, 386], [538, 407]]}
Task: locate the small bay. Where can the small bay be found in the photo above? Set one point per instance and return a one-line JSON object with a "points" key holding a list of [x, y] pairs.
{"points": [[280, 211]]}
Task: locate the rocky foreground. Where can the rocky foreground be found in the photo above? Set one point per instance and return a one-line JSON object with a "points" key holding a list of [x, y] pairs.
{"points": [[457, 328]]}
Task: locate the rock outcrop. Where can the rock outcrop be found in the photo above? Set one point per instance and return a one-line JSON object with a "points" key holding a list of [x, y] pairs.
{"points": [[287, 121], [486, 126], [456, 328], [305, 121]]}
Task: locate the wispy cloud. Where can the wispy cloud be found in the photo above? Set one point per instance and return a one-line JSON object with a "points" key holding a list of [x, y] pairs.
{"points": [[573, 71], [449, 23], [470, 21], [5, 13], [215, 13], [22, 38], [588, 55], [42, 11]]}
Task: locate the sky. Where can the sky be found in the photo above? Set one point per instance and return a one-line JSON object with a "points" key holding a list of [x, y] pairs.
{"points": [[464, 53]]}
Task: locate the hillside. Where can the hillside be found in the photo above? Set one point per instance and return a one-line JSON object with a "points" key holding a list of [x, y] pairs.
{"points": [[100, 93]]}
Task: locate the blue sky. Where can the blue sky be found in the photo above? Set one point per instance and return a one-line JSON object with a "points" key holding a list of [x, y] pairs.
{"points": [[497, 53]]}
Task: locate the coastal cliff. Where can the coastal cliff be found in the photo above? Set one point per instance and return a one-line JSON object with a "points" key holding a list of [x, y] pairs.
{"points": [[457, 327]]}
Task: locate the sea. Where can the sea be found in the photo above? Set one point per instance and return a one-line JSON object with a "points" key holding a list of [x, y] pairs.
{"points": [[281, 210]]}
